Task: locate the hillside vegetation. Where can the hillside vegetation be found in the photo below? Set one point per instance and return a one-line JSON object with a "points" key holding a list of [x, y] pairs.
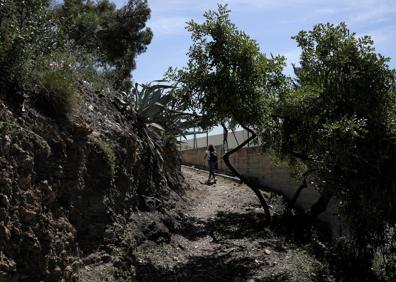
{"points": [[76, 161], [89, 169]]}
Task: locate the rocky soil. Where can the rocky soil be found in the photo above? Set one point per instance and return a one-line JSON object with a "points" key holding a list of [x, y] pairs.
{"points": [[91, 199], [79, 190], [219, 237]]}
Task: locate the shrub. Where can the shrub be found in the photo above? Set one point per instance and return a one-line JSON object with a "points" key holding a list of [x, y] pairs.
{"points": [[26, 33], [339, 122], [384, 262], [58, 95], [110, 157]]}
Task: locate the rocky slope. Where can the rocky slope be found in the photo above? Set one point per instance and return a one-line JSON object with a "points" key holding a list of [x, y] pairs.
{"points": [[221, 237], [72, 192]]}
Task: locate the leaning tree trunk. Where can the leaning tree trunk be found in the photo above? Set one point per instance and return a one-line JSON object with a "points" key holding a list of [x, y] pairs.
{"points": [[252, 185], [321, 205], [225, 137], [293, 201], [303, 185]]}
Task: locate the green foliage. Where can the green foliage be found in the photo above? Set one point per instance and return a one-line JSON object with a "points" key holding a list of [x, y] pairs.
{"points": [[55, 76], [339, 122], [227, 78], [228, 81], [350, 262], [110, 157], [150, 101], [58, 95], [384, 262], [25, 33], [96, 26], [157, 110], [85, 31]]}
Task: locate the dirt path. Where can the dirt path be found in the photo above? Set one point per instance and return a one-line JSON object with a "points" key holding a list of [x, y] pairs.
{"points": [[222, 239]]}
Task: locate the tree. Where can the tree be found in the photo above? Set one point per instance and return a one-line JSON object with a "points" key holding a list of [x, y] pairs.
{"points": [[339, 122], [114, 37], [228, 80], [90, 40], [26, 32]]}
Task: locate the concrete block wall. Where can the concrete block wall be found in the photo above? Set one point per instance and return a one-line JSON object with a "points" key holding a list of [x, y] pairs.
{"points": [[252, 162]]}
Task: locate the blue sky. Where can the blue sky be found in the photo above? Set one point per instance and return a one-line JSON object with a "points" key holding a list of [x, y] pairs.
{"points": [[270, 22]]}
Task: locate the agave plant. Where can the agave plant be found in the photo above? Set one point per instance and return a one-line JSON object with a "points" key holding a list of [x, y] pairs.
{"points": [[150, 101], [157, 111]]}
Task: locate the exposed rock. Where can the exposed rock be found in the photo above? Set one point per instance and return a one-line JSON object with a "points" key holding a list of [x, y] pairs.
{"points": [[4, 201], [91, 259], [5, 233], [49, 195], [27, 215], [7, 264], [106, 258], [68, 189], [157, 232]]}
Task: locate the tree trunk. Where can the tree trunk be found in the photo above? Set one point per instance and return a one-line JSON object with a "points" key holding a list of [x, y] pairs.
{"points": [[297, 194], [303, 185], [322, 203], [250, 184], [225, 137]]}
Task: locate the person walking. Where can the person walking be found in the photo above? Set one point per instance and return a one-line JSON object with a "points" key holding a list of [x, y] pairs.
{"points": [[211, 156]]}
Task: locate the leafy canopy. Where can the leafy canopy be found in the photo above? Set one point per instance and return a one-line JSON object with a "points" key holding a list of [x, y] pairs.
{"points": [[114, 37], [26, 32], [227, 78], [339, 121], [92, 40]]}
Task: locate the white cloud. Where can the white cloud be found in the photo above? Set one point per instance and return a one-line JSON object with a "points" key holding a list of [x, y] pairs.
{"points": [[270, 22], [370, 10], [176, 5], [353, 11], [168, 25], [381, 36]]}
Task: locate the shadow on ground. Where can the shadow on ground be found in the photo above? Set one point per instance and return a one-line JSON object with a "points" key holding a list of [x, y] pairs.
{"points": [[251, 225], [208, 268], [200, 268], [227, 263], [228, 225]]}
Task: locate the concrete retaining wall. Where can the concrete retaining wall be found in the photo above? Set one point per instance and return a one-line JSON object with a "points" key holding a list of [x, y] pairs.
{"points": [[253, 162]]}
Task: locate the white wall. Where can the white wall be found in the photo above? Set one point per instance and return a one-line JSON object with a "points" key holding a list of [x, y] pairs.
{"points": [[217, 139], [253, 162]]}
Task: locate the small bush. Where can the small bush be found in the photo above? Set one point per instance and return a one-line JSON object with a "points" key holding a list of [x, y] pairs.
{"points": [[110, 157], [26, 33], [58, 94], [350, 262], [384, 262]]}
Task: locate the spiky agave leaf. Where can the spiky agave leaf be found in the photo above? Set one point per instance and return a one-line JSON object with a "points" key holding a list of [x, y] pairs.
{"points": [[156, 126], [156, 107], [151, 112]]}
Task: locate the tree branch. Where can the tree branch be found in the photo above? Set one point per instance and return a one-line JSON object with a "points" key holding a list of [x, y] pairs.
{"points": [[303, 185], [300, 156], [225, 136], [250, 184]]}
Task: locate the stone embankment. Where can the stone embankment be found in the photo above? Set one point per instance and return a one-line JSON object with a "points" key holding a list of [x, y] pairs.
{"points": [[70, 189]]}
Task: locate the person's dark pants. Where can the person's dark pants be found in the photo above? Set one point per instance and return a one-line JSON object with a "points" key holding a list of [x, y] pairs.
{"points": [[212, 168]]}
